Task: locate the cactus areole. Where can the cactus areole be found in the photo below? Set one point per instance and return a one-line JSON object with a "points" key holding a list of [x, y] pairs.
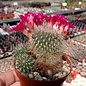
{"points": [[40, 61]]}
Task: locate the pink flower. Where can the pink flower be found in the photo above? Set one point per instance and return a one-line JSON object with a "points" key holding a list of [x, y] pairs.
{"points": [[57, 22], [20, 27], [62, 17], [49, 21], [55, 19], [70, 25], [38, 18], [62, 25], [22, 18], [61, 28], [12, 29], [62, 20], [67, 28], [29, 19]]}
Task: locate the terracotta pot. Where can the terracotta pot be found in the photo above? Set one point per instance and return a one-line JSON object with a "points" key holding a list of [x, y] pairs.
{"points": [[31, 82]]}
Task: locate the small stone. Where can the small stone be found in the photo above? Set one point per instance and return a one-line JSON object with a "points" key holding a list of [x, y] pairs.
{"points": [[66, 65], [64, 62], [78, 70], [49, 72], [44, 78], [66, 68], [73, 69], [36, 73], [38, 77], [73, 83], [55, 77], [60, 75], [83, 73], [83, 69], [78, 67], [64, 74], [31, 76], [79, 63], [78, 76]]}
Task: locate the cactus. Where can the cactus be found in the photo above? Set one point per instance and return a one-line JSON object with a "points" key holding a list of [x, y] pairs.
{"points": [[47, 41], [45, 45], [24, 62], [48, 48]]}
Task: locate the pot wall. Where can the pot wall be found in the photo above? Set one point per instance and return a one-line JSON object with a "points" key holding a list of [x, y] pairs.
{"points": [[31, 82]]}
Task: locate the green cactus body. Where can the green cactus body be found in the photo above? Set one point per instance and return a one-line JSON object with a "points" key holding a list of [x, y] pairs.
{"points": [[47, 42], [24, 62], [47, 46]]}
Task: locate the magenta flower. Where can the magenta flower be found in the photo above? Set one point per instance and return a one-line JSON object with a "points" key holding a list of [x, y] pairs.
{"points": [[38, 18], [57, 22], [62, 17], [20, 27], [49, 21], [70, 25], [29, 19], [12, 29], [22, 18], [62, 26], [55, 19], [67, 28]]}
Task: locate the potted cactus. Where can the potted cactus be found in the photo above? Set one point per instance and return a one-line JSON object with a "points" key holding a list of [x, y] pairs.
{"points": [[41, 60]]}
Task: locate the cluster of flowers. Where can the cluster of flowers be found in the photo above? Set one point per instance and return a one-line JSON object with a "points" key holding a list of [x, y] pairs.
{"points": [[30, 20]]}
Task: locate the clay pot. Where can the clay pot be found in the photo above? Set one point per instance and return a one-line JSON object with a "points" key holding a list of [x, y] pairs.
{"points": [[31, 82]]}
